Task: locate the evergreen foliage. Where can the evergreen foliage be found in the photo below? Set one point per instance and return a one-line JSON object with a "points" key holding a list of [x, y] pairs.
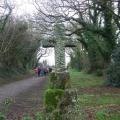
{"points": [[18, 49], [113, 72], [2, 116], [76, 59], [52, 97]]}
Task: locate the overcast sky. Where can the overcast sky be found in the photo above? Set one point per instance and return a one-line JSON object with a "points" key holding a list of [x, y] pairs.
{"points": [[25, 7]]}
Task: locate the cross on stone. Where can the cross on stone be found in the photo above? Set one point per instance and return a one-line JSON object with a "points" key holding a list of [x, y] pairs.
{"points": [[59, 43]]}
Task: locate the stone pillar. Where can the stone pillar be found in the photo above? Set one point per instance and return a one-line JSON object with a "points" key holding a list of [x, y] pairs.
{"points": [[60, 80], [60, 55]]}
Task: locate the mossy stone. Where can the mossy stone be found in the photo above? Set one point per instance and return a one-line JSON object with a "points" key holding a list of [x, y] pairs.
{"points": [[52, 97], [59, 80]]}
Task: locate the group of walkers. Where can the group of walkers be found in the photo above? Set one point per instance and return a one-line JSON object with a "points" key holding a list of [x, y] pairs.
{"points": [[42, 71]]}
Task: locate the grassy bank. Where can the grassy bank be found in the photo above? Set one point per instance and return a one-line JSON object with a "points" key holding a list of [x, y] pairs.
{"points": [[15, 77], [98, 101]]}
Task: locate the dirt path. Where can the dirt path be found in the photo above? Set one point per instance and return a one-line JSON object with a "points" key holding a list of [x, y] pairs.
{"points": [[25, 97]]}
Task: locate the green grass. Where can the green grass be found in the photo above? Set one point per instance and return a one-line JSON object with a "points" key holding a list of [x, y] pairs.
{"points": [[13, 78], [89, 98], [106, 114], [94, 100], [81, 79]]}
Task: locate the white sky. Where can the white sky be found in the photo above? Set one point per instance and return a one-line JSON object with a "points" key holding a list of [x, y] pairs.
{"points": [[23, 7], [50, 59], [26, 7]]}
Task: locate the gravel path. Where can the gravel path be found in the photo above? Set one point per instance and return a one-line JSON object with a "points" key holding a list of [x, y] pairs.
{"points": [[25, 97]]}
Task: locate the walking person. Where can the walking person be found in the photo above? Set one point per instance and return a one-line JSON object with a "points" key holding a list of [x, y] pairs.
{"points": [[36, 71], [39, 71]]}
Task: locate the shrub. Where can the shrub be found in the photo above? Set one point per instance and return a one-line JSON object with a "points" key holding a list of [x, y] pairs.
{"points": [[74, 112], [52, 97], [27, 118], [38, 116], [99, 72], [113, 72], [2, 116]]}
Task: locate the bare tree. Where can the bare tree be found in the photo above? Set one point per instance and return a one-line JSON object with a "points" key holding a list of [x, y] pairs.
{"points": [[42, 52], [5, 12]]}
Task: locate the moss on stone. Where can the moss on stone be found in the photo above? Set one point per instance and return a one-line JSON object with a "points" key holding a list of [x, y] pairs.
{"points": [[59, 80]]}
